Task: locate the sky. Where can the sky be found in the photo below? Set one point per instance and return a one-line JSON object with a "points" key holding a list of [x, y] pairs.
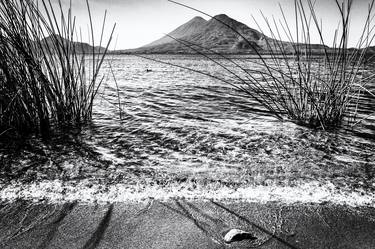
{"points": [[139, 22]]}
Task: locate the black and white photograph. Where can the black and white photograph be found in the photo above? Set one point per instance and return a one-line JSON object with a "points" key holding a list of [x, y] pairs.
{"points": [[195, 124]]}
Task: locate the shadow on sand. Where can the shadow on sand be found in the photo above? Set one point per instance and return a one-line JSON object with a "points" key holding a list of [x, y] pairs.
{"points": [[179, 223], [215, 228]]}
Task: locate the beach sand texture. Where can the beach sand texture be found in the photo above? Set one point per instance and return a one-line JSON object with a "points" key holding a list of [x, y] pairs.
{"points": [[184, 224]]}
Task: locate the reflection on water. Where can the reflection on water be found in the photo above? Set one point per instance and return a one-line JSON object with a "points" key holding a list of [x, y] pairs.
{"points": [[181, 126]]}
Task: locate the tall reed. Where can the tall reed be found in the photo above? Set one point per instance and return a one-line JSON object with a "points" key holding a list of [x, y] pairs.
{"points": [[46, 79], [315, 86]]}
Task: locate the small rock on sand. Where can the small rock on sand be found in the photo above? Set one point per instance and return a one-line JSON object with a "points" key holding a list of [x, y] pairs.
{"points": [[237, 235]]}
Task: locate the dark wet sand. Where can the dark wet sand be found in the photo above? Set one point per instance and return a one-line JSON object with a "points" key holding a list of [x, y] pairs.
{"points": [[183, 224]]}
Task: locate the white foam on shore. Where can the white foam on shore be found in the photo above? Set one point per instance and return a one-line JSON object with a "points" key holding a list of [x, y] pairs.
{"points": [[84, 191]]}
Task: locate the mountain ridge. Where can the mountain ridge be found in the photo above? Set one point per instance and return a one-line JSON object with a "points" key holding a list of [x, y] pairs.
{"points": [[218, 35], [185, 29], [80, 47]]}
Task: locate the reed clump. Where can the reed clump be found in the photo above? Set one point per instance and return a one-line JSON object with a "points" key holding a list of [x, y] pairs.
{"points": [[314, 85], [46, 78]]}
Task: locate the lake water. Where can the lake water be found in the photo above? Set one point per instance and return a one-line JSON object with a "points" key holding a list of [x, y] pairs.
{"points": [[180, 126]]}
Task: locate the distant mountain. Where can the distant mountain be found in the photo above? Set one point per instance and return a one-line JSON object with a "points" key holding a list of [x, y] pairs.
{"points": [[79, 46], [214, 35], [371, 50], [195, 25]]}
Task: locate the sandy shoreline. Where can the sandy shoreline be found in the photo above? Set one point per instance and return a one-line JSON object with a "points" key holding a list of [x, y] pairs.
{"points": [[83, 214], [87, 192], [184, 224]]}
